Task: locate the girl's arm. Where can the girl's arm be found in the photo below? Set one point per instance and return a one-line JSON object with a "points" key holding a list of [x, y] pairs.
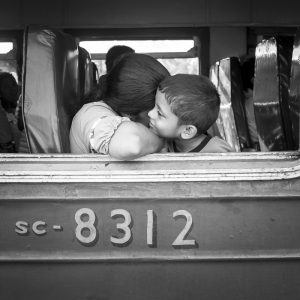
{"points": [[132, 140]]}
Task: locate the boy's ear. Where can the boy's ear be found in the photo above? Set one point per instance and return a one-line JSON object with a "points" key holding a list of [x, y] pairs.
{"points": [[188, 132]]}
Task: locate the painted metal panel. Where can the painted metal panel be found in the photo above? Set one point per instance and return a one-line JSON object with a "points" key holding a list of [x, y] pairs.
{"points": [[276, 280], [235, 11], [36, 12], [77, 229], [136, 13], [117, 14], [10, 14], [275, 13], [64, 233]]}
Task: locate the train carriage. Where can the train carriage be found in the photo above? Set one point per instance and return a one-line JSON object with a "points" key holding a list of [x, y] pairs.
{"points": [[167, 225]]}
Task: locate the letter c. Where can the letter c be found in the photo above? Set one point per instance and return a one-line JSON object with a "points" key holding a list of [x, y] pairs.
{"points": [[37, 231]]}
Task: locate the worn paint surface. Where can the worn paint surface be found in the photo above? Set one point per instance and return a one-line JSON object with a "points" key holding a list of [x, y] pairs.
{"points": [[163, 227]]}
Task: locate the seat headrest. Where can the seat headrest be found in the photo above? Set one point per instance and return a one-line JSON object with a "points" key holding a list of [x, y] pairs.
{"points": [[50, 88], [232, 123]]}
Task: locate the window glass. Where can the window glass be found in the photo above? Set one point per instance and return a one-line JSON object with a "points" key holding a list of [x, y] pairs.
{"points": [[181, 65], [5, 47], [7, 58], [141, 46], [178, 56]]}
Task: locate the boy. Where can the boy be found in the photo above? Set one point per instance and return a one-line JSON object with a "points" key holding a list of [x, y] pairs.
{"points": [[185, 107]]}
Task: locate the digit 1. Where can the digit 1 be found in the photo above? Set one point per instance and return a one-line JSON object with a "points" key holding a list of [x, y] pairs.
{"points": [[150, 227]]}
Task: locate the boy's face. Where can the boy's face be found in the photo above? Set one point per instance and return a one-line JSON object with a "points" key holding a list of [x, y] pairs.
{"points": [[163, 122]]}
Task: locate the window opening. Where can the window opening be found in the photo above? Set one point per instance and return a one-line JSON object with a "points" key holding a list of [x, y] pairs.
{"points": [[8, 58], [178, 56], [5, 47]]}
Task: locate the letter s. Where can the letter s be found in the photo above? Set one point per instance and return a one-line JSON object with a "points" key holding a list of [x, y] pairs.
{"points": [[21, 227]]}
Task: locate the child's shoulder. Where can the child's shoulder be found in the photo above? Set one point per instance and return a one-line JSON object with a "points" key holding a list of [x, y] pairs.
{"points": [[210, 145], [217, 145]]}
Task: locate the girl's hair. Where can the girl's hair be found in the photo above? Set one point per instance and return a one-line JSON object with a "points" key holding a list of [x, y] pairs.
{"points": [[193, 99], [132, 83]]}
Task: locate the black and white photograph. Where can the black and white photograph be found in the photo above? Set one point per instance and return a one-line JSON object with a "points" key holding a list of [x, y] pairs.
{"points": [[149, 150]]}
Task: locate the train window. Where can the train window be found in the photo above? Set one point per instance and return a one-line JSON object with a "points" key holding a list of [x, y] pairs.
{"points": [[181, 52], [5, 47], [178, 56], [8, 58]]}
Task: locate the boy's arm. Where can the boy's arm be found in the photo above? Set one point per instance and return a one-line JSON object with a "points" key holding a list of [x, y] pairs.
{"points": [[132, 140]]}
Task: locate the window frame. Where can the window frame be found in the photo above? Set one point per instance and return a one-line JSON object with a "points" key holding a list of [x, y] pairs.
{"points": [[199, 34]]}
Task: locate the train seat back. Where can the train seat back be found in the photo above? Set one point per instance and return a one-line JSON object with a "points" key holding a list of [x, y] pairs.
{"points": [[294, 92], [51, 94], [270, 95], [231, 123], [87, 73]]}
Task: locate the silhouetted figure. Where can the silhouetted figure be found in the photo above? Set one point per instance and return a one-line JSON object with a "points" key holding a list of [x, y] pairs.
{"points": [[9, 94], [247, 71], [113, 55]]}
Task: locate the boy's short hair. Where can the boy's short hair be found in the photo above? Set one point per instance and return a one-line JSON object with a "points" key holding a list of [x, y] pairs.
{"points": [[193, 99]]}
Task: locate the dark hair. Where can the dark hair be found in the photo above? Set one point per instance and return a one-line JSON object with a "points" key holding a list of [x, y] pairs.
{"points": [[247, 72], [132, 83], [114, 54], [193, 99], [9, 91]]}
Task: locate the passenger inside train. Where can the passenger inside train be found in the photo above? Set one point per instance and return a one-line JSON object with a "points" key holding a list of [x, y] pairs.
{"points": [[106, 126], [9, 94], [247, 72], [186, 106], [6, 136], [113, 55], [244, 122]]}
